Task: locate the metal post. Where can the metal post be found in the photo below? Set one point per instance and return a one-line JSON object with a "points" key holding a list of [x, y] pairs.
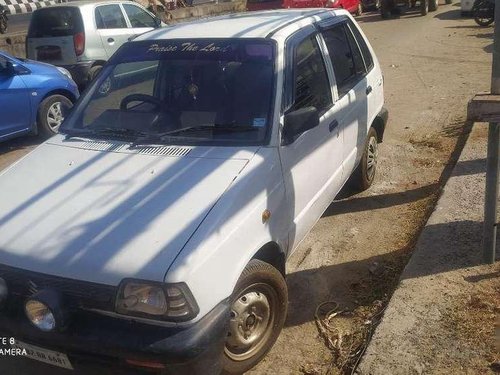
{"points": [[492, 165]]}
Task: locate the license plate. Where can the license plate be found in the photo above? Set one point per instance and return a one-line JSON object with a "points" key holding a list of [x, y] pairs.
{"points": [[49, 53], [44, 355]]}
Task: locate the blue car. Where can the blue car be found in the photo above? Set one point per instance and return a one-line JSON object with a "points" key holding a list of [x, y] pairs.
{"points": [[34, 97]]}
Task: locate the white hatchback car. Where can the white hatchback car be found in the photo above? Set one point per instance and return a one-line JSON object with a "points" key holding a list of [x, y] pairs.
{"points": [[181, 182]]}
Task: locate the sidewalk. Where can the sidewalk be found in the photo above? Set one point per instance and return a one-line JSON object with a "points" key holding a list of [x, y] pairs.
{"points": [[441, 317]]}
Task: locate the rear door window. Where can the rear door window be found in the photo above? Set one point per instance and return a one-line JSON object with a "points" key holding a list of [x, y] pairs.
{"points": [[138, 17], [365, 51], [54, 22], [311, 86], [110, 17], [346, 58]]}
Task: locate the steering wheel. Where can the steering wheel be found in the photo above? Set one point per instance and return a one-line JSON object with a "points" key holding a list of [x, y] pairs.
{"points": [[140, 98]]}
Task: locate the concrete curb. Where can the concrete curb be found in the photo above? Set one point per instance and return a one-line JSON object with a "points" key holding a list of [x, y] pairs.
{"points": [[414, 336]]}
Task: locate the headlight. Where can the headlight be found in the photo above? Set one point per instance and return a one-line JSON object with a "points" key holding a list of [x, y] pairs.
{"points": [[65, 72], [155, 300], [40, 315]]}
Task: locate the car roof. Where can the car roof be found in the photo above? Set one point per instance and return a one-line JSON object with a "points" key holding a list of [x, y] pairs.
{"points": [[258, 24]]}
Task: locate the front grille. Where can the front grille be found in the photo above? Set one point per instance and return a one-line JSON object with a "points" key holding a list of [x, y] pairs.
{"points": [[76, 293]]}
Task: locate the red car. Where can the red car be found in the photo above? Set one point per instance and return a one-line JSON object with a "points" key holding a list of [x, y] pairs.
{"points": [[353, 6]]}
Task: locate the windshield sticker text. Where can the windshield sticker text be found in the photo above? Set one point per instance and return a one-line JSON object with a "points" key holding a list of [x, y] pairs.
{"points": [[188, 47]]}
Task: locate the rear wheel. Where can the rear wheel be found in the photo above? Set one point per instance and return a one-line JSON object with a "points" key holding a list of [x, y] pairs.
{"points": [[94, 72], [51, 113], [258, 312], [433, 5], [364, 175], [424, 7], [3, 25]]}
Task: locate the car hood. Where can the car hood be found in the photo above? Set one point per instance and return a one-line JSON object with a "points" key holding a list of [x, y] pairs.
{"points": [[98, 212], [37, 67]]}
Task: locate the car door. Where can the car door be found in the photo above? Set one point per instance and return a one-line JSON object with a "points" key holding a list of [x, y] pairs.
{"points": [[312, 163], [140, 20], [15, 102], [374, 80], [111, 27], [351, 85]]}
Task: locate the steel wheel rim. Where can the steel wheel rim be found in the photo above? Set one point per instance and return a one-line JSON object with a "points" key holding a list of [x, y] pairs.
{"points": [[371, 160], [55, 116], [252, 320]]}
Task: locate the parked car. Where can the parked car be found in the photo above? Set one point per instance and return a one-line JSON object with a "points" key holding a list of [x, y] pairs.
{"points": [[82, 36], [34, 97], [353, 6], [158, 239]]}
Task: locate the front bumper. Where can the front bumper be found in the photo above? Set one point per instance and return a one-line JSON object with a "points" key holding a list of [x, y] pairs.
{"points": [[80, 72], [93, 340]]}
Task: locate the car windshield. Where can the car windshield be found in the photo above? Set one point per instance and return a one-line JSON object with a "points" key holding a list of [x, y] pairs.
{"points": [[203, 91]]}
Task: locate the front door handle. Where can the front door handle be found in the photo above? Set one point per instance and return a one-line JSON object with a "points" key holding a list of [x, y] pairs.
{"points": [[368, 90], [333, 125]]}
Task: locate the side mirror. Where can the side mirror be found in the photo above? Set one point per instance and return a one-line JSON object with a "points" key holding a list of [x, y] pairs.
{"points": [[297, 122], [8, 70], [157, 22]]}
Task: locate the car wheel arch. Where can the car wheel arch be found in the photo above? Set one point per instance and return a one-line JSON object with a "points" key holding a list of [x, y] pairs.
{"points": [[272, 253], [63, 92]]}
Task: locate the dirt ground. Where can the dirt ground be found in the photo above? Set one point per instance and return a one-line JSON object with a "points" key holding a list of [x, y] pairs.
{"points": [[354, 255]]}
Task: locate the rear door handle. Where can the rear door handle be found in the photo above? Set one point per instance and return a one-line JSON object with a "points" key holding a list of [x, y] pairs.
{"points": [[110, 40], [333, 125], [368, 90]]}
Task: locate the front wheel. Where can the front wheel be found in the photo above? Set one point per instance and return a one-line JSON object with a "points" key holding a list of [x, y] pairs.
{"points": [[484, 13], [258, 312], [51, 114], [424, 7], [433, 5], [364, 175]]}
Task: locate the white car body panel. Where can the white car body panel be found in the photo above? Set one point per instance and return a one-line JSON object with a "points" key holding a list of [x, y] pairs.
{"points": [[104, 215]]}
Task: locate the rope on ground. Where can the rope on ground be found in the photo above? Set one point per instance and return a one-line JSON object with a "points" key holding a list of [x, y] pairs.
{"points": [[347, 347]]}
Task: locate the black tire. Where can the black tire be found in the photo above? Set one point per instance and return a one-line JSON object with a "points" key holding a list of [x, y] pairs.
{"points": [[363, 176], [46, 121], [424, 7], [3, 26], [483, 12], [433, 5], [94, 72], [259, 283], [385, 9], [448, 1]]}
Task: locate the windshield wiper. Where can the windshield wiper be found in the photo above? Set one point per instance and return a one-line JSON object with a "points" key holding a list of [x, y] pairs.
{"points": [[223, 127], [105, 131], [151, 137]]}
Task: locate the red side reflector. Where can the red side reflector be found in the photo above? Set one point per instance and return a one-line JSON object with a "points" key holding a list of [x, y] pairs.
{"points": [[147, 364], [79, 42]]}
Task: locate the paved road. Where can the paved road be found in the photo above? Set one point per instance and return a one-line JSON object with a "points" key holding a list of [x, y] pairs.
{"points": [[432, 65]]}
